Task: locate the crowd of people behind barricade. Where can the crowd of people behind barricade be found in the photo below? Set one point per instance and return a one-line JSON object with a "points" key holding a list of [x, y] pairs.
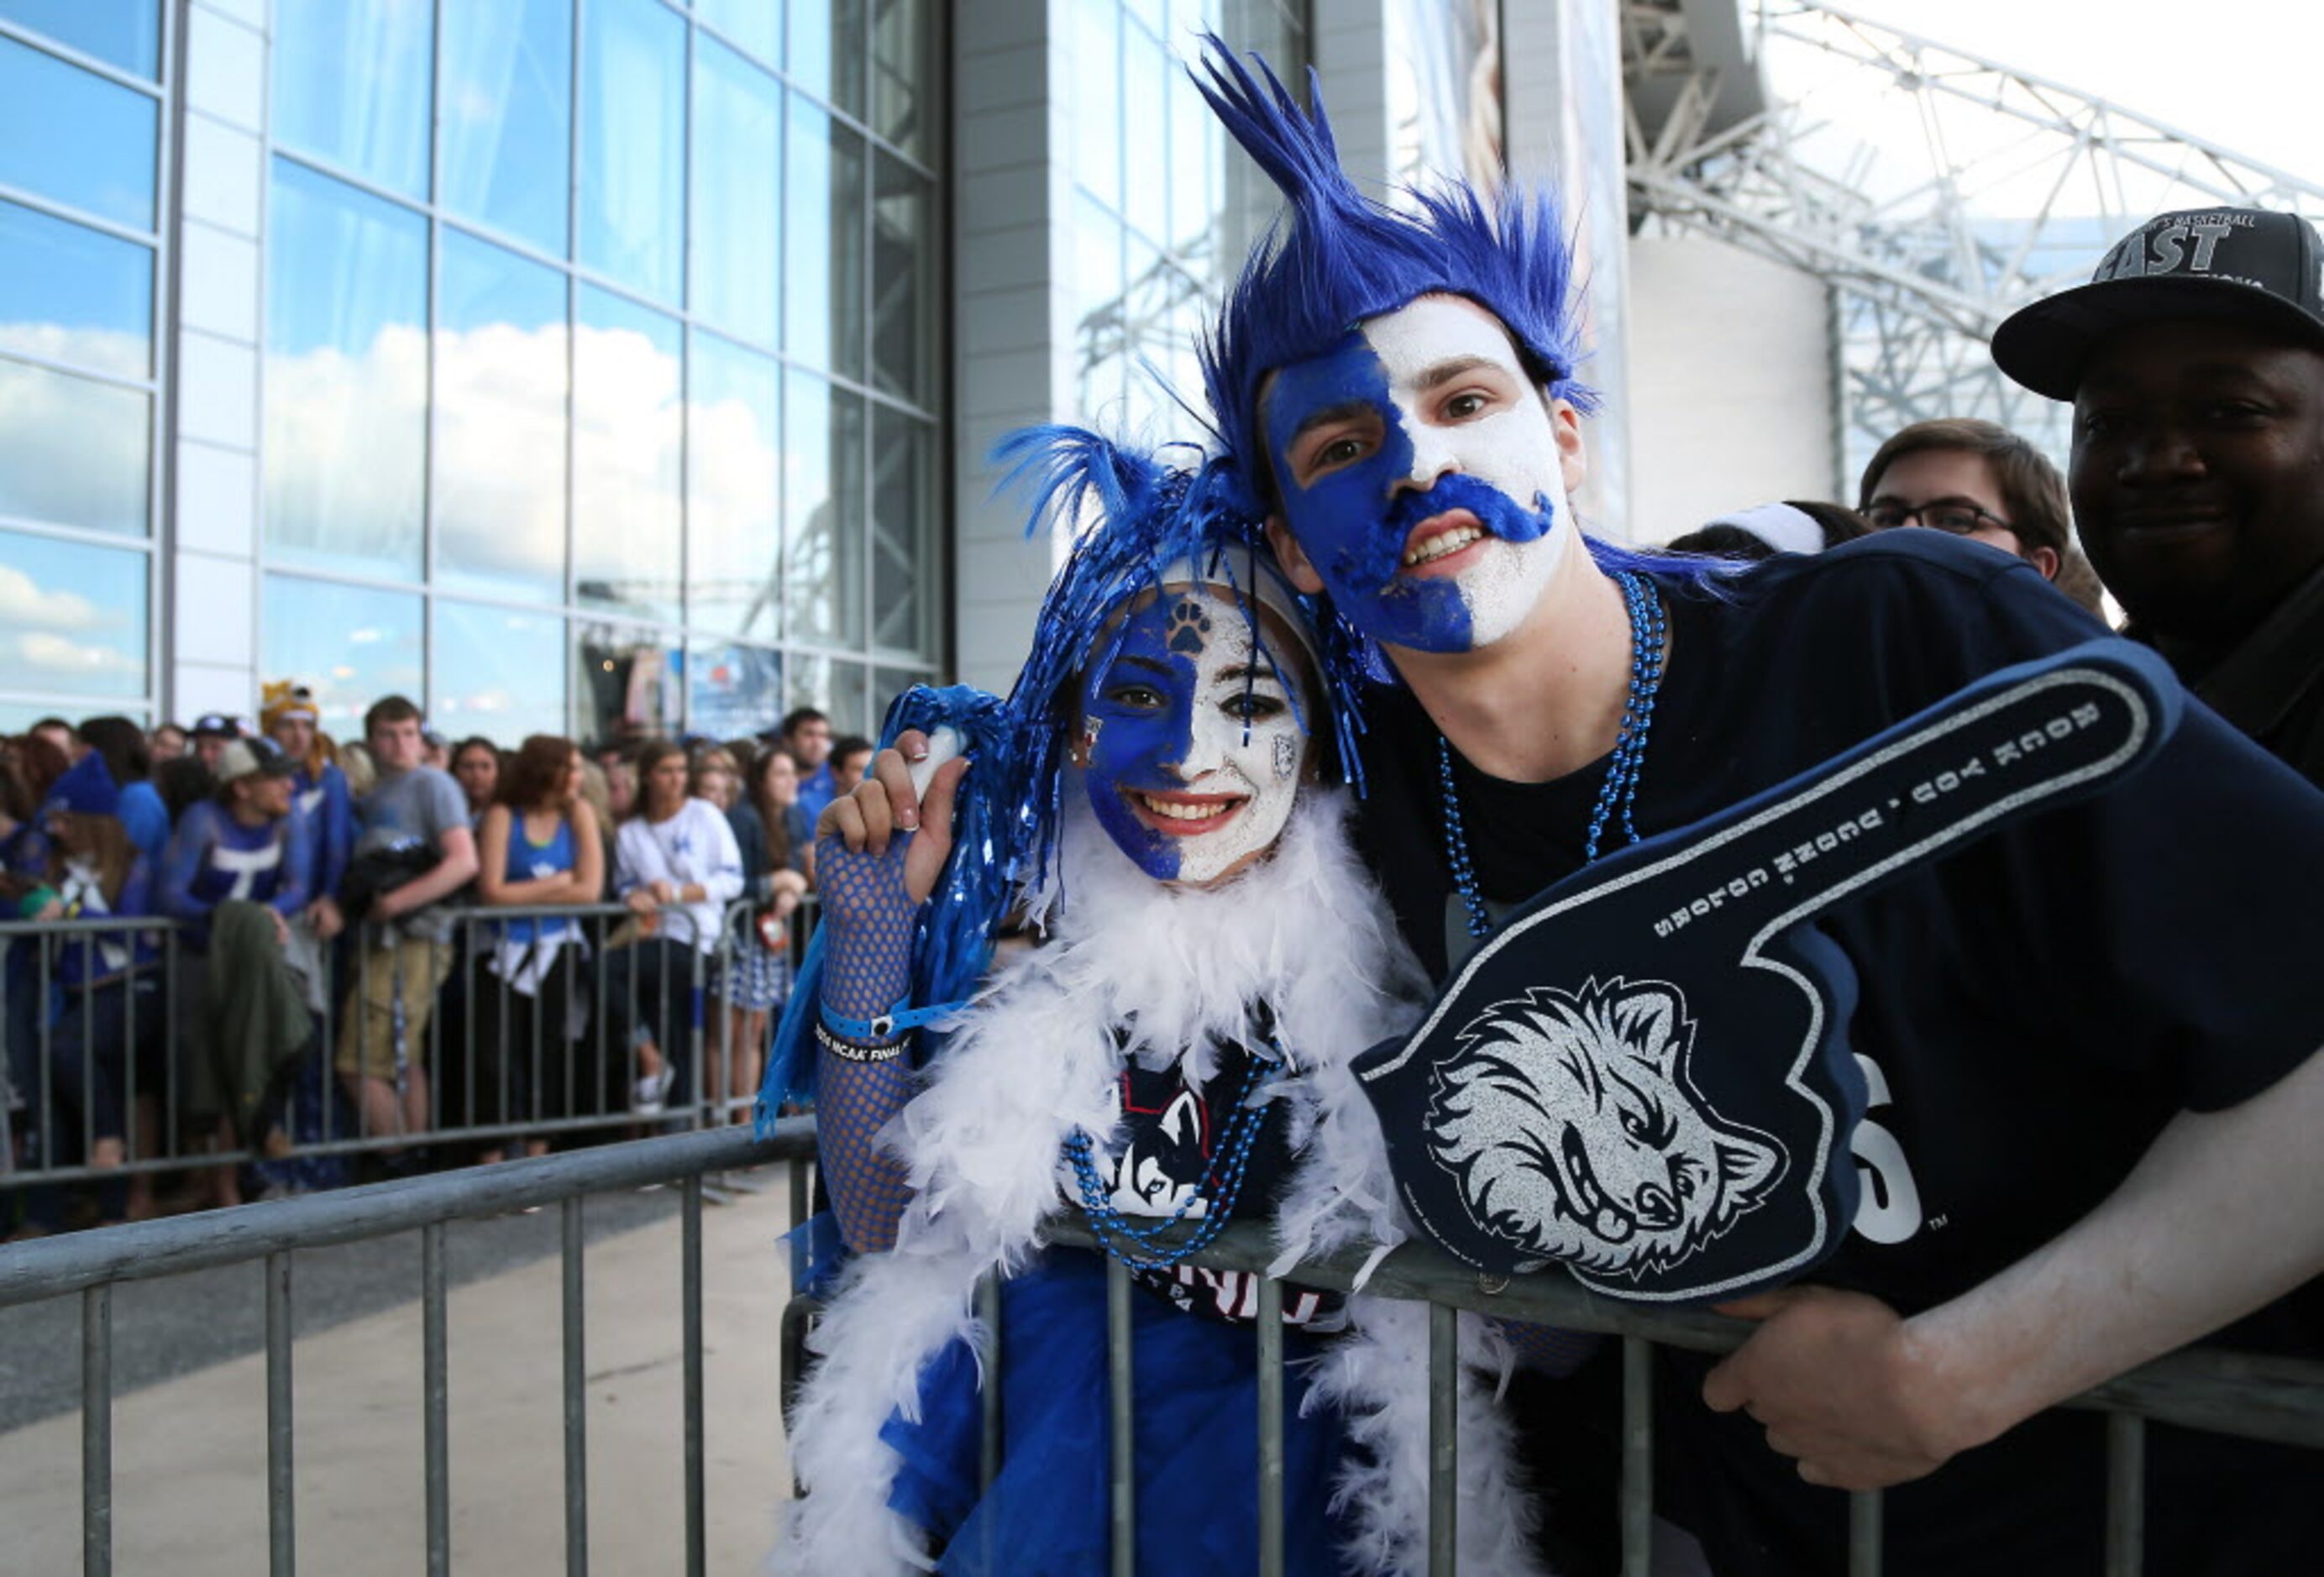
{"points": [[333, 1000]]}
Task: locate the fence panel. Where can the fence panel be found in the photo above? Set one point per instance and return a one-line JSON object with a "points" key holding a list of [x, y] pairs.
{"points": [[269, 1235], [528, 1039]]}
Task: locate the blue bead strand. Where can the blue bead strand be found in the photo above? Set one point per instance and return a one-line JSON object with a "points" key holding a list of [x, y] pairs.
{"points": [[1617, 796], [1226, 1170]]}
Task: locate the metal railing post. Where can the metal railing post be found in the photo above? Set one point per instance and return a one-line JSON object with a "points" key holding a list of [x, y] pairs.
{"points": [[435, 1392], [1864, 1519], [96, 1431], [1444, 1438], [1270, 1318], [2126, 1512], [1122, 1476], [577, 1421], [1637, 1456], [281, 1527], [690, 1323]]}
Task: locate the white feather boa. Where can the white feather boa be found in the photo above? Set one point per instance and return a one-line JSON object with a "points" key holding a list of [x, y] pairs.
{"points": [[1305, 931]]}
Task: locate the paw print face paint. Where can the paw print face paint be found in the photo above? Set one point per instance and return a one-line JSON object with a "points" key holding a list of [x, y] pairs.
{"points": [[1193, 764], [1419, 471]]}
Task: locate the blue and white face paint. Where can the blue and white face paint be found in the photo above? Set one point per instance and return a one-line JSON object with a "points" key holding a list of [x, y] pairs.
{"points": [[1420, 472], [1191, 747]]}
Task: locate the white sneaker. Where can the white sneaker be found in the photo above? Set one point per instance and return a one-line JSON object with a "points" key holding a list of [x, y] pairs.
{"points": [[646, 1100]]}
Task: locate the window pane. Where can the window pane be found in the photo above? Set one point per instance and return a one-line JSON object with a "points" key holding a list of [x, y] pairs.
{"points": [[903, 290], [633, 144], [72, 294], [887, 684], [732, 690], [823, 197], [352, 84], [735, 253], [624, 683], [507, 93], [628, 386], [1100, 326], [829, 686], [823, 492], [1094, 67], [1193, 180], [72, 617], [71, 135], [497, 672], [126, 33], [346, 376], [1146, 73], [500, 423], [734, 520], [72, 452], [902, 566], [756, 26], [351, 645], [826, 50], [899, 72]]}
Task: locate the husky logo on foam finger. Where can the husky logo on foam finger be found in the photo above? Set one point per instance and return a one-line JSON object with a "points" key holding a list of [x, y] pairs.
{"points": [[1574, 1127]]}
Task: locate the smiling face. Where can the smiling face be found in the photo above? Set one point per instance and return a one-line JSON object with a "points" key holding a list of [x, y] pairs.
{"points": [[1192, 748], [1422, 476], [2198, 472]]}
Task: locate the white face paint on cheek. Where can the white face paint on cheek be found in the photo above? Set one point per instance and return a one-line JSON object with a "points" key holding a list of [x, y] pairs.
{"points": [[1229, 758], [1514, 448]]}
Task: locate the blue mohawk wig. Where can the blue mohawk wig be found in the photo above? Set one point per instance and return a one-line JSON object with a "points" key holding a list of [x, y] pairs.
{"points": [[1340, 257]]}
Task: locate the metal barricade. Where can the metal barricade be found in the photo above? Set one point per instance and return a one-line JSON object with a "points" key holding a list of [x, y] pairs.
{"points": [[2266, 1399], [515, 1024], [269, 1235]]}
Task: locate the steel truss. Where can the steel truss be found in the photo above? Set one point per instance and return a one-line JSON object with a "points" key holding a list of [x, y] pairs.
{"points": [[2012, 188]]}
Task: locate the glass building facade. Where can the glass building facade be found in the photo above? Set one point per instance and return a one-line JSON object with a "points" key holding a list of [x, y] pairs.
{"points": [[606, 367], [83, 93], [599, 380]]}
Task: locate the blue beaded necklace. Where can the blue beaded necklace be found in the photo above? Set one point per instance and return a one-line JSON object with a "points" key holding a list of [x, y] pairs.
{"points": [[1220, 1185], [1619, 792]]}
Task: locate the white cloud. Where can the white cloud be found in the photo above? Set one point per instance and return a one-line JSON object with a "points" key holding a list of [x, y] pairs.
{"points": [[51, 654], [23, 603]]}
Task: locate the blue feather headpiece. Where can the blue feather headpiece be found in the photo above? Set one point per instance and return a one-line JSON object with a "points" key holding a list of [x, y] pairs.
{"points": [[1339, 257], [1142, 523]]}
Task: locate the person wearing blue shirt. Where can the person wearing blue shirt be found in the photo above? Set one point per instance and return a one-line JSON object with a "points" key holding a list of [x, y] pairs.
{"points": [[93, 1048], [250, 844], [319, 792], [805, 734], [129, 761]]}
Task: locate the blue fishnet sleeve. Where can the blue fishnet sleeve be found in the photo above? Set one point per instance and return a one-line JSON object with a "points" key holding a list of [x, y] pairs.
{"points": [[867, 969]]}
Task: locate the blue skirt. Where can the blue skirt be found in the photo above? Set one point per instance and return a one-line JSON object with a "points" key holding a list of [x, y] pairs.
{"points": [[1196, 1427]]}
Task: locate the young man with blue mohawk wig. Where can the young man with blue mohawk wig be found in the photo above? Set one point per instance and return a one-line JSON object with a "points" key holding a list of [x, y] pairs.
{"points": [[2071, 1120]]}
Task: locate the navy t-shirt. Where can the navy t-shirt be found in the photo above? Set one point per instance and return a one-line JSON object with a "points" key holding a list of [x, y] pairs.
{"points": [[2033, 1009]]}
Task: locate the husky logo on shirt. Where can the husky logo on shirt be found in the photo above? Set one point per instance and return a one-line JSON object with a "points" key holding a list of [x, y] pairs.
{"points": [[1574, 1127], [1644, 1073]]}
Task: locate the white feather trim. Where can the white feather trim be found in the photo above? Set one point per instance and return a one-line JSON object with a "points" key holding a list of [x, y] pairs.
{"points": [[1376, 1375], [1303, 932]]}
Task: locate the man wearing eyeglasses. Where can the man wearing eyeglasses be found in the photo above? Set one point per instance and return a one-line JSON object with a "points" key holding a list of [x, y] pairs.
{"points": [[1975, 479]]}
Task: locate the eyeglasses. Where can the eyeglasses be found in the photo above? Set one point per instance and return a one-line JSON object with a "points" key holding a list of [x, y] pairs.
{"points": [[1952, 516]]}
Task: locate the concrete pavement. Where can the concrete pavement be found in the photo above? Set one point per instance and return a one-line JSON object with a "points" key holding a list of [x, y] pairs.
{"points": [[189, 1452]]}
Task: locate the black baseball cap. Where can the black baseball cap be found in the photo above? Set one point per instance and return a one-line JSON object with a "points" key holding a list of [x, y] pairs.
{"points": [[217, 725], [2253, 265]]}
